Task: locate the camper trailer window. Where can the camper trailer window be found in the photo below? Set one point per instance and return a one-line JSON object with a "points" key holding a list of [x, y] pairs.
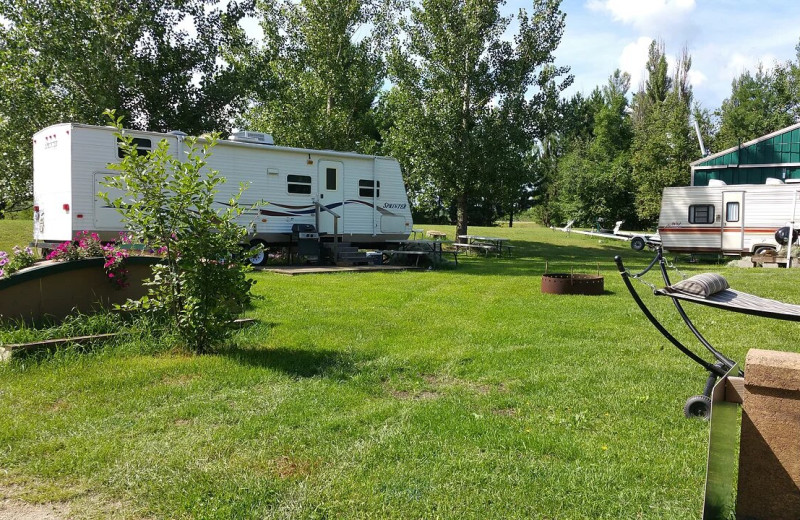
{"points": [[143, 146], [732, 212], [368, 188], [330, 179], [701, 214], [300, 184]]}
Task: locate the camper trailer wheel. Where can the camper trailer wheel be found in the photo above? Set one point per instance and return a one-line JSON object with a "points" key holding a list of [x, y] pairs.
{"points": [[637, 243], [698, 406], [764, 250], [259, 258]]}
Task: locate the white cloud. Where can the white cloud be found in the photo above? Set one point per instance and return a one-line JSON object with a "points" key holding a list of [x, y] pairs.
{"points": [[633, 60], [697, 78], [646, 15]]}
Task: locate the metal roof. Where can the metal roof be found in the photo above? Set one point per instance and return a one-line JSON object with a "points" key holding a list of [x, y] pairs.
{"points": [[780, 148]]}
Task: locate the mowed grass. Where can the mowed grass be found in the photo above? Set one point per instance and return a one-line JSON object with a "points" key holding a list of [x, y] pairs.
{"points": [[452, 393], [15, 233]]}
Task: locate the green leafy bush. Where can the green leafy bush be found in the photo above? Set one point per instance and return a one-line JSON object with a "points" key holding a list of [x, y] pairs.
{"points": [[169, 205]]}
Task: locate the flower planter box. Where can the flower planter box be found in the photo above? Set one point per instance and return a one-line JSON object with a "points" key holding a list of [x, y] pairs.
{"points": [[58, 289]]}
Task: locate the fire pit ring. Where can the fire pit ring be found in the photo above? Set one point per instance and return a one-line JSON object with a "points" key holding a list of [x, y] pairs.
{"points": [[567, 283]]}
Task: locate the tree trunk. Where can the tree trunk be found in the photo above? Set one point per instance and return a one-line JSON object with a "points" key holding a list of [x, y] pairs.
{"points": [[461, 214], [511, 218]]}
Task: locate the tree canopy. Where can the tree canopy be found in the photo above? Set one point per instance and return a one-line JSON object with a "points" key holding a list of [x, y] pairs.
{"points": [[157, 62], [467, 103]]}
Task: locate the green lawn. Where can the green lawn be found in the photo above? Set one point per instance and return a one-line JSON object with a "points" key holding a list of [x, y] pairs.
{"points": [[15, 233], [453, 393]]}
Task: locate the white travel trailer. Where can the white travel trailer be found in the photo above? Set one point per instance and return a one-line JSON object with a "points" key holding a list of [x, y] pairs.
{"points": [[298, 185], [728, 219]]}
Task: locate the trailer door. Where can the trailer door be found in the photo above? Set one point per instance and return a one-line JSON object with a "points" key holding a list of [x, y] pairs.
{"points": [[330, 188], [732, 221]]}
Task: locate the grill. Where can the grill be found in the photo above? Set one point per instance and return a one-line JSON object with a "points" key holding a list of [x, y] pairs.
{"points": [[304, 231], [307, 240]]}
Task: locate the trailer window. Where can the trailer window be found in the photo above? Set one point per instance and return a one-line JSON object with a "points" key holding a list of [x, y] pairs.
{"points": [[330, 179], [300, 184], [143, 146], [369, 188], [732, 212], [701, 214]]}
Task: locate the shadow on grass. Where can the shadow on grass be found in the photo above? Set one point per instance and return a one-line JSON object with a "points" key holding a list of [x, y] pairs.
{"points": [[296, 362]]}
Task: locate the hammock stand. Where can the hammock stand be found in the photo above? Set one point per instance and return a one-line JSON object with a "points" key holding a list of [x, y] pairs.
{"points": [[729, 300]]}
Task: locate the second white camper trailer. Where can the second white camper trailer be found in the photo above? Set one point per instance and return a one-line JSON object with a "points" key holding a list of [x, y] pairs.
{"points": [[299, 186], [727, 219]]}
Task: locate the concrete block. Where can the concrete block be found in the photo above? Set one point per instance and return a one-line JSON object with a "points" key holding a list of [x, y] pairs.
{"points": [[769, 455]]}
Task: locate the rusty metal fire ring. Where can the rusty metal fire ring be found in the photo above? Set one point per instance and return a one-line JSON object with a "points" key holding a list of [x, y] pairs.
{"points": [[566, 283]]}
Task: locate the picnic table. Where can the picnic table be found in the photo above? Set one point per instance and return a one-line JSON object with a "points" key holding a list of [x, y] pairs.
{"points": [[437, 235], [479, 243], [419, 248]]}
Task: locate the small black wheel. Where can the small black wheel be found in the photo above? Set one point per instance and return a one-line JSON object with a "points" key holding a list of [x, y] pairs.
{"points": [[260, 256], [637, 243], [698, 406]]}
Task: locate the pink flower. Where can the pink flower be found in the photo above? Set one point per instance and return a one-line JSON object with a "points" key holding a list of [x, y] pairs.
{"points": [[111, 275]]}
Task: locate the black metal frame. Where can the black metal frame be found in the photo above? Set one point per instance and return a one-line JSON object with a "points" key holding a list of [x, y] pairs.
{"points": [[715, 370]]}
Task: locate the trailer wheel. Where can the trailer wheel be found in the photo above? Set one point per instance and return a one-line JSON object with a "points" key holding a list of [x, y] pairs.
{"points": [[260, 257], [698, 406], [764, 250], [637, 243]]}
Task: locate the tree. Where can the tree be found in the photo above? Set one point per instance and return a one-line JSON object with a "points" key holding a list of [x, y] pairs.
{"points": [[663, 143], [68, 61], [324, 73], [594, 178], [168, 205], [455, 77], [759, 104]]}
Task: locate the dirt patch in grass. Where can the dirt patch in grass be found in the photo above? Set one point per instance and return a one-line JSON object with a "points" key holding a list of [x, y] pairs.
{"points": [[181, 380], [32, 501], [11, 509], [445, 381], [424, 395], [505, 412], [59, 405], [288, 467]]}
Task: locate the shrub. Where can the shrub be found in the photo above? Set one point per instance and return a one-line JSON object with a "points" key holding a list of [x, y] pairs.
{"points": [[170, 206]]}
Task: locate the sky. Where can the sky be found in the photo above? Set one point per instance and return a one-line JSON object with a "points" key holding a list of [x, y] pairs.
{"points": [[724, 39]]}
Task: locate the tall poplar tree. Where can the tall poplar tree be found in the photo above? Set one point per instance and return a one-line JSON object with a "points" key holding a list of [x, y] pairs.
{"points": [[663, 144], [323, 63], [465, 96]]}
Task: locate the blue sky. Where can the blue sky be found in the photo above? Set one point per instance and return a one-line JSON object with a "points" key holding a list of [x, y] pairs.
{"points": [[724, 38]]}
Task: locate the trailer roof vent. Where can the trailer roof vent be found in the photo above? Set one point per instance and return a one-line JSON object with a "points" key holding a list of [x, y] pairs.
{"points": [[248, 136], [716, 182], [772, 181], [178, 133]]}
